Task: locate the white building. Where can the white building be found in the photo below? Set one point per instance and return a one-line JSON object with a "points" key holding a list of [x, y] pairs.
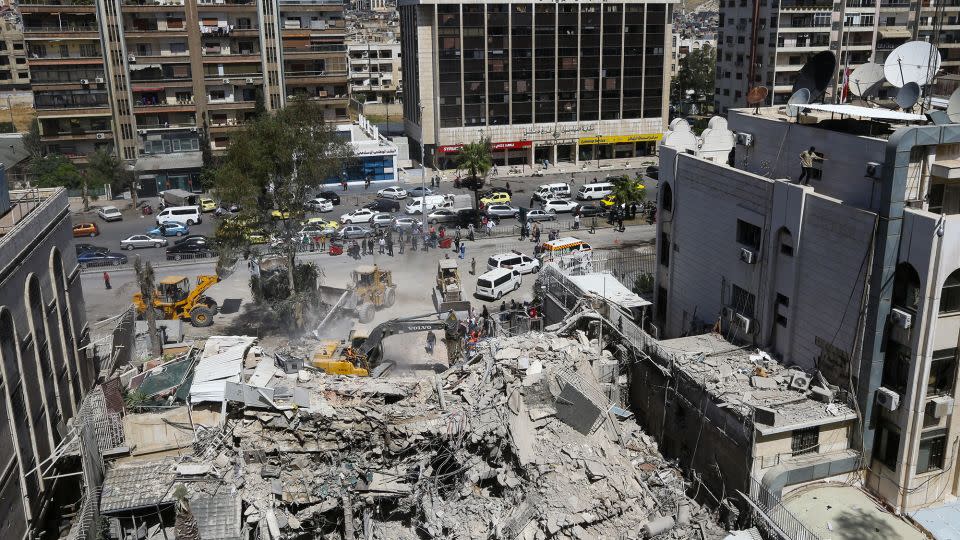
{"points": [[856, 276], [374, 70], [376, 155]]}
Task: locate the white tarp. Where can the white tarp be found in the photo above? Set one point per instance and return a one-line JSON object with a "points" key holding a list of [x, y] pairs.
{"points": [[606, 286], [221, 361]]}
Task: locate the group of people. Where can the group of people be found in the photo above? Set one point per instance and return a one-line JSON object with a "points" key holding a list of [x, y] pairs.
{"points": [[383, 243]]}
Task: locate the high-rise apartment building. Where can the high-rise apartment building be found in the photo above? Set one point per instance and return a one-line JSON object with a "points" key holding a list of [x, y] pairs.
{"points": [[14, 72], [557, 82], [374, 70], [155, 79], [766, 42]]}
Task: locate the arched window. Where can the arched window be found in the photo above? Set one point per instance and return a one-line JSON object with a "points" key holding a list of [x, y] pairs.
{"points": [[950, 294], [62, 345], [906, 287], [45, 383], [13, 386], [666, 198]]}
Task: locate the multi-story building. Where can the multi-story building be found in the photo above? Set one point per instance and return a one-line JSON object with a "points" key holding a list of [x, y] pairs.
{"points": [[765, 43], [855, 276], [14, 72], [159, 78], [557, 82], [374, 70], [45, 369]]}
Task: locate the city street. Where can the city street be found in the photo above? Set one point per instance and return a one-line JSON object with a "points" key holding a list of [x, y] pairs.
{"points": [[356, 196]]}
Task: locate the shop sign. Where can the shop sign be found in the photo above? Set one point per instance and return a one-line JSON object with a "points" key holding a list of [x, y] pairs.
{"points": [[614, 139], [513, 145]]}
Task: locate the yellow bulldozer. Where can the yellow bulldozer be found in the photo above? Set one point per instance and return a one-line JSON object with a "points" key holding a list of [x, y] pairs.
{"points": [[174, 299]]}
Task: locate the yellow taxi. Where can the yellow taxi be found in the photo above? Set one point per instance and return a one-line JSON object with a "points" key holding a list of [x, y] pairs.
{"points": [[498, 197], [326, 224], [276, 214], [609, 200], [255, 237], [207, 205]]}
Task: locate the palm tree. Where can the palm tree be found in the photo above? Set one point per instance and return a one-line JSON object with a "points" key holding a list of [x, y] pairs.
{"points": [[145, 280], [475, 160], [627, 191]]}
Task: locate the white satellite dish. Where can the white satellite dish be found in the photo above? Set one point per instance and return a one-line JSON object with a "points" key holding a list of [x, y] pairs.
{"points": [[908, 95], [914, 61], [800, 97], [953, 107], [866, 79]]}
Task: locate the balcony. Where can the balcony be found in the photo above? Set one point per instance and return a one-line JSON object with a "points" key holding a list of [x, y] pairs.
{"points": [[78, 135], [57, 60], [226, 5], [60, 6], [146, 29], [144, 6], [327, 5], [315, 76], [229, 104], [62, 31]]}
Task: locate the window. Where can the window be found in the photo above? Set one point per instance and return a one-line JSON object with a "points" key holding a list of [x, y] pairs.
{"points": [[742, 302], [783, 300], [886, 446], [666, 199], [748, 234], [178, 48], [664, 249], [950, 294], [932, 446], [896, 367], [786, 249], [821, 19], [943, 369], [805, 441], [218, 94], [906, 287]]}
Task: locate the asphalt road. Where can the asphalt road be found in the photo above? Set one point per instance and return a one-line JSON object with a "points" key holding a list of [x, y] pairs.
{"points": [[356, 196]]}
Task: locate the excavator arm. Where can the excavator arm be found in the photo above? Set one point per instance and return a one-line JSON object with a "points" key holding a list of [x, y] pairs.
{"points": [[420, 323]]}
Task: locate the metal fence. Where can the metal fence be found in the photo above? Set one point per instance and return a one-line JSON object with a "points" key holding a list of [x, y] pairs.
{"points": [[774, 516]]}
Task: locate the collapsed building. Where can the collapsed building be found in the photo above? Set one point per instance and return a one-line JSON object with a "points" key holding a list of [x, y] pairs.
{"points": [[519, 441]]}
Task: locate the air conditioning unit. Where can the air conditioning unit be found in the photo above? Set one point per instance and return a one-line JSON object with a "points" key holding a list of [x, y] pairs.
{"points": [[727, 314], [193, 130], [249, 80], [888, 399], [141, 132], [745, 139], [744, 323], [800, 382], [901, 318], [942, 406], [132, 58], [84, 81], [99, 80], [748, 256], [101, 136], [226, 81], [874, 170]]}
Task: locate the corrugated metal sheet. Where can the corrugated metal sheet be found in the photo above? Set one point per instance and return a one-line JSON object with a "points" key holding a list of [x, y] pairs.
{"points": [[221, 361]]}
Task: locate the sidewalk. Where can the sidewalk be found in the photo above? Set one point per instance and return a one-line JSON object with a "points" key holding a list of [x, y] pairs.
{"points": [[413, 175]]}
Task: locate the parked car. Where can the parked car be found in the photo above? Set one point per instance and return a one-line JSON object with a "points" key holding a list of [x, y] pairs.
{"points": [[559, 206], [354, 231], [330, 196], [497, 197], [142, 241], [405, 224], [197, 247], [381, 220], [102, 258], [393, 192], [360, 215], [85, 229], [319, 205], [514, 260], [207, 204], [316, 229], [383, 205], [110, 213], [420, 191], [190, 238], [169, 229], [502, 211], [591, 210], [493, 189], [539, 215], [325, 223], [83, 248], [466, 216], [442, 215], [276, 214]]}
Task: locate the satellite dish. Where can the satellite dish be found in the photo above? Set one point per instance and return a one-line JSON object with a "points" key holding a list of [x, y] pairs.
{"points": [[815, 75], [908, 95], [939, 118], [953, 107], [800, 97], [757, 95], [914, 61], [866, 79]]}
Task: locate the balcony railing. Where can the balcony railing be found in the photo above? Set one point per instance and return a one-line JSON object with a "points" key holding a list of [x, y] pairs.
{"points": [[56, 2], [153, 2], [316, 48], [62, 28], [54, 56], [70, 102], [225, 2], [311, 2]]}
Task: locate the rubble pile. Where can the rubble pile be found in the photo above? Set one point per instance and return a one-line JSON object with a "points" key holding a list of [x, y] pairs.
{"points": [[521, 442]]}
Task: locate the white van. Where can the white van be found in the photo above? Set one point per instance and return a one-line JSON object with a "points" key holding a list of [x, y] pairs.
{"points": [[594, 192], [515, 261], [184, 215], [416, 205], [496, 283], [544, 190]]}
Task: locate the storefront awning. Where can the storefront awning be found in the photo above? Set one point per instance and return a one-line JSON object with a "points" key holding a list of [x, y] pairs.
{"points": [[895, 33], [166, 162]]}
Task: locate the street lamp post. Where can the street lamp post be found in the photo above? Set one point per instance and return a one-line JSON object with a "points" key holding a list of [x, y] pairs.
{"points": [[423, 167]]}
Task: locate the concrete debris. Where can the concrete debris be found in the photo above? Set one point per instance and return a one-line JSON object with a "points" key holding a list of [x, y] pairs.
{"points": [[520, 442]]}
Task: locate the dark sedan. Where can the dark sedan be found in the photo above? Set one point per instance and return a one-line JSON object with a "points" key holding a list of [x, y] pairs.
{"points": [[330, 196], [84, 248], [190, 238], [591, 210], [91, 258], [191, 249]]}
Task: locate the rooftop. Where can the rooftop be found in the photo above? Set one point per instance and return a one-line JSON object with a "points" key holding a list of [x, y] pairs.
{"points": [[26, 203], [867, 121], [842, 512], [742, 380]]}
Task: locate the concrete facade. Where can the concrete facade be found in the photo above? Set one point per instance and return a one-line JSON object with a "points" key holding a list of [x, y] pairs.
{"points": [[852, 276], [14, 72], [44, 365], [375, 70], [569, 82]]}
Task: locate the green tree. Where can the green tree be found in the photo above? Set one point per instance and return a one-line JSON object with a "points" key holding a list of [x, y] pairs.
{"points": [[146, 282], [55, 170], [259, 103], [31, 140], [697, 72], [628, 190], [277, 162], [106, 168], [475, 159]]}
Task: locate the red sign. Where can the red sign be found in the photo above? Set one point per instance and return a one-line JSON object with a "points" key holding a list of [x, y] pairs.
{"points": [[514, 145]]}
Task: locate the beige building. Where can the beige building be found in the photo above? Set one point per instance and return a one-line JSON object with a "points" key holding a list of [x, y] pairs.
{"points": [[14, 72], [375, 74]]}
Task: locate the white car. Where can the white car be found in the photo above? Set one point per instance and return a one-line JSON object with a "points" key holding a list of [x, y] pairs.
{"points": [[514, 261], [362, 215], [559, 206], [110, 213], [320, 205], [142, 241], [540, 215], [381, 220], [393, 192]]}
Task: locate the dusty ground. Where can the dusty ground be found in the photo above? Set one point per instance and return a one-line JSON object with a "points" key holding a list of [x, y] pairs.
{"points": [[21, 115]]}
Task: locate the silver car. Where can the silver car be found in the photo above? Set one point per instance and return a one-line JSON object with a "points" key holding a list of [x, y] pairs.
{"points": [[442, 215], [540, 215], [405, 224], [349, 232], [142, 241], [502, 210], [382, 220]]}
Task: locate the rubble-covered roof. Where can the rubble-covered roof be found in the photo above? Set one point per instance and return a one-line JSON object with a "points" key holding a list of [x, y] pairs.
{"points": [[746, 379], [221, 361], [607, 286], [137, 485], [218, 516]]}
